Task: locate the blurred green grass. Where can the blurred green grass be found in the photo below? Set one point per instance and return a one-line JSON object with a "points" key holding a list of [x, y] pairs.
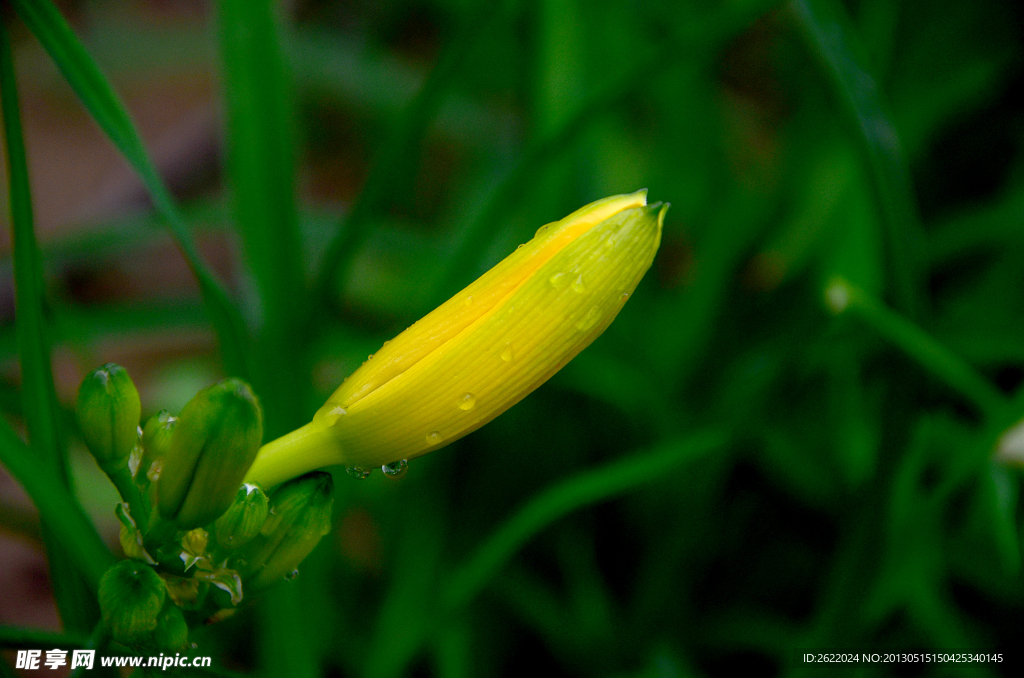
{"points": [[399, 149]]}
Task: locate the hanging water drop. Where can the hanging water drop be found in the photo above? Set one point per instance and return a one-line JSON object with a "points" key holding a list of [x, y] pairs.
{"points": [[358, 472], [506, 355], [467, 401], [395, 469], [433, 438], [578, 286]]}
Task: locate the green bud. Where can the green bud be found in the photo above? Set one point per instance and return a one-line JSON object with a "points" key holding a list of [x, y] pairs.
{"points": [[131, 595], [300, 515], [212, 445], [108, 412], [243, 519], [156, 440], [171, 633]]}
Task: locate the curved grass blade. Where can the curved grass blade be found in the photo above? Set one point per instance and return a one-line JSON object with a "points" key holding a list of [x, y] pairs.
{"points": [[601, 484], [48, 25], [63, 516], [829, 35]]}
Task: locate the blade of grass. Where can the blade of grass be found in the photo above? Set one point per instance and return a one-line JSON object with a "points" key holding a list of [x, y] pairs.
{"points": [[38, 395], [48, 25], [600, 484], [393, 156], [16, 637], [830, 36], [919, 345], [261, 171], [62, 515]]}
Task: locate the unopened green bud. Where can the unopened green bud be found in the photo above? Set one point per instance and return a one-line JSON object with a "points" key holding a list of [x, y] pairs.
{"points": [[108, 412], [243, 519], [300, 515], [131, 595], [212, 445], [156, 440], [171, 633]]}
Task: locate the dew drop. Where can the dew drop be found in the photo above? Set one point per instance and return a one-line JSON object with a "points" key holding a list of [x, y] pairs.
{"points": [[358, 472], [467, 401], [395, 469], [625, 295], [543, 229], [589, 320], [292, 575], [506, 355], [370, 357], [578, 286], [385, 343], [469, 300], [433, 438], [519, 248], [557, 279]]}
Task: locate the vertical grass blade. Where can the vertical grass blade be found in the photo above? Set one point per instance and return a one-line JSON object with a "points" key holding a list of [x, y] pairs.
{"points": [[39, 399], [98, 97], [828, 34], [261, 173]]}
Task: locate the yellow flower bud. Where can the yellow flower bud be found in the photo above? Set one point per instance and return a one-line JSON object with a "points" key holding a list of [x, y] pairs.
{"points": [[483, 350]]}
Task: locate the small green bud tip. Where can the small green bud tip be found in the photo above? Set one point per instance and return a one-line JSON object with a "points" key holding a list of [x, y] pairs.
{"points": [[131, 595], [243, 519], [300, 515], [211, 447], [108, 411]]}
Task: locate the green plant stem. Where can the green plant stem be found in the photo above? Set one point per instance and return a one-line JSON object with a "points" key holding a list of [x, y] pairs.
{"points": [[129, 491], [48, 25], [261, 173], [920, 346], [588, 488]]}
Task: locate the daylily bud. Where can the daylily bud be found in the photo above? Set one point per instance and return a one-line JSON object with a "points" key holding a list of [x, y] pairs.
{"points": [[300, 515], [108, 412], [212, 445], [243, 519], [156, 440], [484, 349], [131, 595]]}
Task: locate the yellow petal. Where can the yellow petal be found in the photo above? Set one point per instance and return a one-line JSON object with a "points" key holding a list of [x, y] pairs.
{"points": [[483, 350]]}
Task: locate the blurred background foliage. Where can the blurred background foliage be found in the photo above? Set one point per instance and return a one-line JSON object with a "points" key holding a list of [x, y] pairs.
{"points": [[731, 474]]}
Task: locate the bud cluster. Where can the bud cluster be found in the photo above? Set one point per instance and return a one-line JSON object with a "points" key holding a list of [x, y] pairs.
{"points": [[195, 535]]}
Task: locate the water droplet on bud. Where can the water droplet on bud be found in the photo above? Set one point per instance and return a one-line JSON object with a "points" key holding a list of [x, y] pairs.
{"points": [[578, 286], [433, 438], [557, 279], [467, 401], [358, 472], [506, 355], [395, 469]]}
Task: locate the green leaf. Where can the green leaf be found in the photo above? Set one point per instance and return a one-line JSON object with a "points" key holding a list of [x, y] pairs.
{"points": [[98, 97]]}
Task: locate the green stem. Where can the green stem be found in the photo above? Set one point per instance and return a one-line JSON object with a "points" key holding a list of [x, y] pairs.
{"points": [[919, 345], [129, 491]]}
